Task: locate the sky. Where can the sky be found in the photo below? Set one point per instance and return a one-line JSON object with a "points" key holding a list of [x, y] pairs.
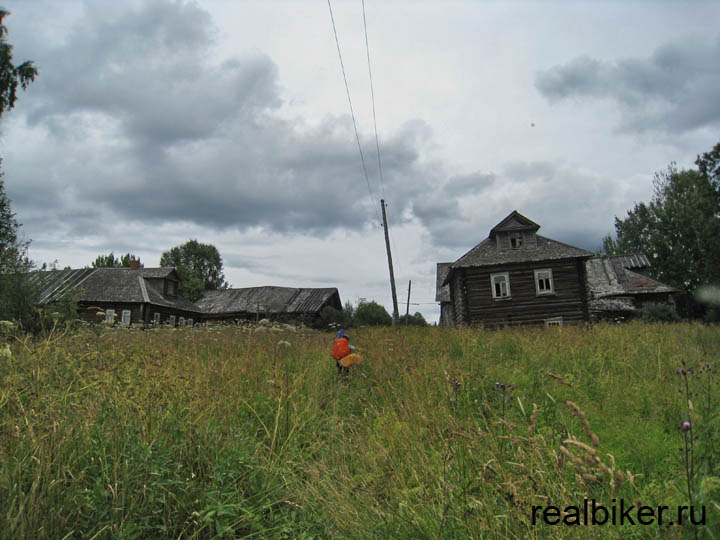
{"points": [[156, 121]]}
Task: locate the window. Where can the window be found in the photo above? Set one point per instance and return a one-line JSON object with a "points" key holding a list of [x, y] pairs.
{"points": [[110, 316], [544, 282], [516, 240], [172, 320], [181, 322], [555, 321], [126, 316], [500, 285], [190, 323], [156, 319]]}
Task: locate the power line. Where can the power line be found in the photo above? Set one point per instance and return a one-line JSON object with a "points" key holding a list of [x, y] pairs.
{"points": [[372, 96], [352, 112]]}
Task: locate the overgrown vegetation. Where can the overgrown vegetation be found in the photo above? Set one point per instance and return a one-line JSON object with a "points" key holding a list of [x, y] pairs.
{"points": [[229, 432]]}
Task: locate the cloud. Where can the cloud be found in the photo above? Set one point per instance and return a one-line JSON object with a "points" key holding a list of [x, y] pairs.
{"points": [[141, 122], [673, 90]]}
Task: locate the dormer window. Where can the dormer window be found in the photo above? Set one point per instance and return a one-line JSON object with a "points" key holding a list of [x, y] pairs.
{"points": [[516, 240], [171, 287]]}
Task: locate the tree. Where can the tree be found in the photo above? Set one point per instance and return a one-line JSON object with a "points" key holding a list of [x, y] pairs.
{"points": [[679, 229], [17, 293], [413, 320], [371, 314], [199, 267], [11, 76], [110, 261]]}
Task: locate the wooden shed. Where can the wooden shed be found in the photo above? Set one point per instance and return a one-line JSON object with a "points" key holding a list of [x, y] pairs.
{"points": [[279, 303]]}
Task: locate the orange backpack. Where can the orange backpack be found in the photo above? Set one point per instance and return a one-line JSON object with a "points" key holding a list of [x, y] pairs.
{"points": [[341, 348]]}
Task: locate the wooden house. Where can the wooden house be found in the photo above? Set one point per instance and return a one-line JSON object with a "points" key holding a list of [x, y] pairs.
{"points": [[134, 295], [515, 276], [277, 303]]}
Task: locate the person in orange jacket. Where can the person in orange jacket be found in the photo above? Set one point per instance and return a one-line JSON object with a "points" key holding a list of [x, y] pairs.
{"points": [[343, 354]]}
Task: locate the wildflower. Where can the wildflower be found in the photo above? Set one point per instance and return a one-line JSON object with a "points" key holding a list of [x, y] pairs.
{"points": [[685, 426], [283, 344]]}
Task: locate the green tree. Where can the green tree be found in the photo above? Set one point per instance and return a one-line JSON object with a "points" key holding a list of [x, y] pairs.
{"points": [[679, 229], [18, 296], [199, 266], [371, 314], [11, 76], [110, 261], [413, 320]]}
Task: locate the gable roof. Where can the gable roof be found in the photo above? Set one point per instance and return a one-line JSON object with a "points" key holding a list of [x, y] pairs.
{"points": [[486, 253], [514, 221], [269, 300], [111, 285]]}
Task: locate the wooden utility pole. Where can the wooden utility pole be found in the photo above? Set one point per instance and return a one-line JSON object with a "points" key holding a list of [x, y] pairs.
{"points": [[407, 308], [396, 314]]}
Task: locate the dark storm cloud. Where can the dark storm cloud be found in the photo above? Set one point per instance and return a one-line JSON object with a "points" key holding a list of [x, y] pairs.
{"points": [[675, 89], [158, 132]]}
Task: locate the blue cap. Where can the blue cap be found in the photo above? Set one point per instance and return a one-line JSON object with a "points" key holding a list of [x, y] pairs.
{"points": [[341, 333]]}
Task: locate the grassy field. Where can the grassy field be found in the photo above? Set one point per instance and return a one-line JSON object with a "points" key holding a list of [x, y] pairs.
{"points": [[230, 433]]}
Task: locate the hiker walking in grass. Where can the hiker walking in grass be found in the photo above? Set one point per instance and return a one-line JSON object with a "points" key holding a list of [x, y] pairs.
{"points": [[343, 354]]}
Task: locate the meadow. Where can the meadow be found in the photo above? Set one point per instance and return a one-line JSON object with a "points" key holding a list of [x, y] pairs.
{"points": [[232, 432]]}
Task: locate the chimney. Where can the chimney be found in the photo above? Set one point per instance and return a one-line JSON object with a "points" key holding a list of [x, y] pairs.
{"points": [[134, 265]]}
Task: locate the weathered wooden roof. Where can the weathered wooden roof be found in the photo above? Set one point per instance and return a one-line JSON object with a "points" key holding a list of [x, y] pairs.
{"points": [[269, 300], [104, 285], [631, 262], [442, 289], [486, 253], [514, 221], [607, 277]]}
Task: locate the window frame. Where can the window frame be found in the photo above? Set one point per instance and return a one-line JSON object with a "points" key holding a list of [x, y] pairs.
{"points": [[110, 316], [518, 236], [129, 317], [505, 275], [554, 321], [156, 318], [545, 292], [171, 321]]}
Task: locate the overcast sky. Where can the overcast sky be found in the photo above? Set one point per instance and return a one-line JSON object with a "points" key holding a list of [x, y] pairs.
{"points": [[156, 121]]}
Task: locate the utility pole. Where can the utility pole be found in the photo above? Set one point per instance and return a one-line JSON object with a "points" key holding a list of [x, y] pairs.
{"points": [[396, 314], [407, 308]]}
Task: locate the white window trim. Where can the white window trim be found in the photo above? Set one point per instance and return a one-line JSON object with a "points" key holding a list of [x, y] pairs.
{"points": [[110, 316], [181, 322], [156, 318], [190, 322], [547, 292], [171, 320], [554, 321], [506, 275], [129, 316]]}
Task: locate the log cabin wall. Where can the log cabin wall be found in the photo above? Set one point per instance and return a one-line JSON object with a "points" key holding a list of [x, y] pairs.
{"points": [[524, 306], [458, 297]]}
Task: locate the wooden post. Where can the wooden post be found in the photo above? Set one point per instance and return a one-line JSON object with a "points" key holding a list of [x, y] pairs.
{"points": [[396, 314], [407, 308]]}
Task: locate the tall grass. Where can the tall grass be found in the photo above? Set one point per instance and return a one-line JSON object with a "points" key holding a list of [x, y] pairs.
{"points": [[227, 433]]}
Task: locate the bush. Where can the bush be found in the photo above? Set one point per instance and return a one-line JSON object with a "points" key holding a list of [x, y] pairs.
{"points": [[371, 314], [413, 320], [659, 313]]}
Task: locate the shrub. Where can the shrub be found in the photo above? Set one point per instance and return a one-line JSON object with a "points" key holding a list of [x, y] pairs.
{"points": [[371, 314], [659, 313]]}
